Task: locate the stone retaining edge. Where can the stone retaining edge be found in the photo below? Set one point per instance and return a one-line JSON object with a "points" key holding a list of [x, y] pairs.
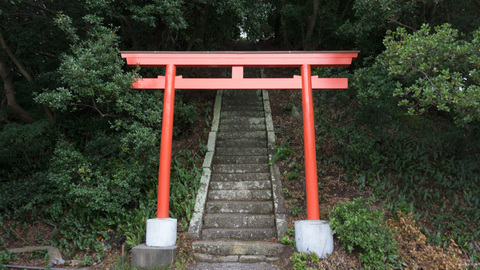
{"points": [[278, 201], [195, 228]]}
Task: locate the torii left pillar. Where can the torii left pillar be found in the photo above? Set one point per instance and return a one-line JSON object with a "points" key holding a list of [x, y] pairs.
{"points": [[161, 235], [157, 228]]}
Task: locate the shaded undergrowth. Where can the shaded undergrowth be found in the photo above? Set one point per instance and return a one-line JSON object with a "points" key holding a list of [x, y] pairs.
{"points": [[422, 165]]}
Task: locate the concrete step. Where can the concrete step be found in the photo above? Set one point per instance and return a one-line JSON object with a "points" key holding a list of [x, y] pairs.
{"points": [[209, 262], [243, 127], [244, 151], [240, 195], [258, 248], [243, 119], [247, 134], [251, 101], [246, 95], [239, 207], [242, 92], [239, 98], [241, 108], [238, 221], [240, 233], [240, 159], [240, 168], [239, 177], [245, 113], [242, 143], [241, 185]]}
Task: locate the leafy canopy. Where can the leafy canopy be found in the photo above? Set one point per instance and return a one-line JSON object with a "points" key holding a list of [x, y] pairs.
{"points": [[435, 71]]}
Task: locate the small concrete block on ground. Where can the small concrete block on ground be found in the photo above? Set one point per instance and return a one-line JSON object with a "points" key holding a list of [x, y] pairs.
{"points": [[144, 256]]}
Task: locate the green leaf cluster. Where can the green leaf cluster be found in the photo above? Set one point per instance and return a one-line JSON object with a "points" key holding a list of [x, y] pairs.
{"points": [[97, 164], [435, 70], [360, 228]]}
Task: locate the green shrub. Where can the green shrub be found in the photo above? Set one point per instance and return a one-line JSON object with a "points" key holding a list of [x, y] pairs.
{"points": [[414, 163], [359, 228], [6, 258], [281, 152], [93, 174]]}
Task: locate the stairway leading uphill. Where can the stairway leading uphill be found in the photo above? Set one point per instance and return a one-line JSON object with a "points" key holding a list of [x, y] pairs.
{"points": [[239, 223]]}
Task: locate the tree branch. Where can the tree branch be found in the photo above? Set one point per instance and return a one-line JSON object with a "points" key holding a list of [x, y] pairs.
{"points": [[476, 3], [96, 109], [38, 5], [393, 20], [311, 26], [10, 93], [345, 9], [26, 75], [14, 59]]}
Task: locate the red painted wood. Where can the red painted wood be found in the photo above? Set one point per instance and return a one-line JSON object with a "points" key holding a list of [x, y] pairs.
{"points": [[241, 83], [163, 196], [239, 60], [313, 212], [247, 59]]}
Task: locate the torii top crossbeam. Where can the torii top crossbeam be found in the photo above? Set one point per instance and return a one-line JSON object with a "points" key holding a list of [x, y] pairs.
{"points": [[237, 61], [247, 59]]}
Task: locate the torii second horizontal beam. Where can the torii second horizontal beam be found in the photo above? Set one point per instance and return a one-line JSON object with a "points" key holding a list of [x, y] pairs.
{"points": [[241, 83]]}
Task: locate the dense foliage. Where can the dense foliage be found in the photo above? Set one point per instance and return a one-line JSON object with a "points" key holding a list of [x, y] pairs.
{"points": [[437, 70], [357, 226], [79, 148]]}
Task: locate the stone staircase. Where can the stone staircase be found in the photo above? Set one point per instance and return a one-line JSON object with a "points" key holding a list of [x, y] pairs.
{"points": [[243, 210]]}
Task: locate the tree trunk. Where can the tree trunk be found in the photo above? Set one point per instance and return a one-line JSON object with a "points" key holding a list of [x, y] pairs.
{"points": [[10, 93], [14, 59], [125, 21], [313, 20], [476, 3], [23, 71], [284, 27]]}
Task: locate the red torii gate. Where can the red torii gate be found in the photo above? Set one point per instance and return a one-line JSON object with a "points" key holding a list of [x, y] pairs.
{"points": [[237, 61]]}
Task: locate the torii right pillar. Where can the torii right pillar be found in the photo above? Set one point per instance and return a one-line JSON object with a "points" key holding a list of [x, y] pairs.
{"points": [[313, 234]]}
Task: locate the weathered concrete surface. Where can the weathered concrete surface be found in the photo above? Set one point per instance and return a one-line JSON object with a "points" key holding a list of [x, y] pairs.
{"points": [[195, 227], [144, 256], [242, 185], [241, 168], [257, 113], [246, 134], [242, 142], [245, 119], [240, 159], [249, 207], [239, 195], [268, 249], [238, 221], [278, 201], [234, 266], [241, 151], [239, 233], [240, 177], [243, 195], [243, 127]]}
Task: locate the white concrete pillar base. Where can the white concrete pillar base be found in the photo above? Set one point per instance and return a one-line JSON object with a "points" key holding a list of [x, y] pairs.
{"points": [[161, 232], [314, 236]]}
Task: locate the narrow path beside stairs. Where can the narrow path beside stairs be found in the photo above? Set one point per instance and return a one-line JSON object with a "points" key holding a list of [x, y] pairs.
{"points": [[243, 213]]}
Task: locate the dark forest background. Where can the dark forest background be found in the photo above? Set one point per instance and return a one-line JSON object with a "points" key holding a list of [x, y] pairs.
{"points": [[79, 148]]}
